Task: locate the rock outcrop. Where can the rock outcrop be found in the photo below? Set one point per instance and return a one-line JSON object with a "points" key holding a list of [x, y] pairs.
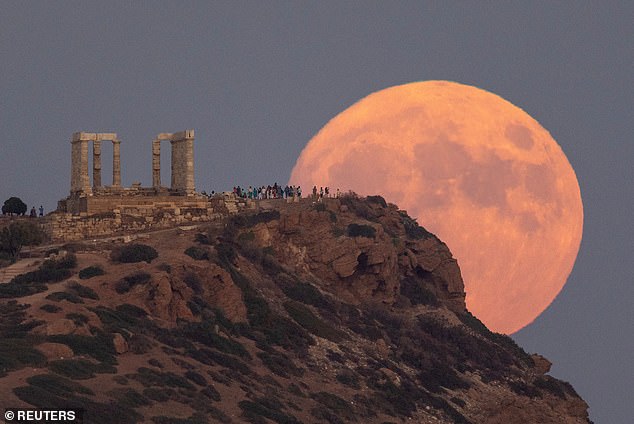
{"points": [[344, 310]]}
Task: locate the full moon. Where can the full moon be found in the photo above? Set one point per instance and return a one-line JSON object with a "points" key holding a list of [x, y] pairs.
{"points": [[474, 169]]}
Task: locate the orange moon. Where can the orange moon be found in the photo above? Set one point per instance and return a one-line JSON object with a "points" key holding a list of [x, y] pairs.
{"points": [[474, 169]]}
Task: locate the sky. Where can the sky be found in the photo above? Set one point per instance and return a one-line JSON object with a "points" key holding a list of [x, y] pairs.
{"points": [[256, 80]]}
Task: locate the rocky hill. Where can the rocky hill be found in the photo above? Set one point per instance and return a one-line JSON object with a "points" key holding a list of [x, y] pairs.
{"points": [[333, 312]]}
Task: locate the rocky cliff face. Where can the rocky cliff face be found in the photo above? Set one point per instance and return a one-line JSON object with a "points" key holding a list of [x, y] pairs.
{"points": [[338, 311]]}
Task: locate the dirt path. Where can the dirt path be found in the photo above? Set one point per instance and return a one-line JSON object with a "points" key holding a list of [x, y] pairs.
{"points": [[20, 267]]}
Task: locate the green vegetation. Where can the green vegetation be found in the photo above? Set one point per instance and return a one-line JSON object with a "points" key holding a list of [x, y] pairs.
{"points": [[50, 308], [51, 271], [306, 293], [16, 344], [361, 230], [336, 406], [59, 296], [198, 253], [80, 369], [412, 229], [414, 289], [304, 317], [82, 291], [280, 364], [268, 407], [17, 235], [379, 200], [349, 378], [99, 346], [128, 282], [91, 271], [275, 328], [149, 377], [57, 385], [78, 319], [133, 253], [14, 206]]}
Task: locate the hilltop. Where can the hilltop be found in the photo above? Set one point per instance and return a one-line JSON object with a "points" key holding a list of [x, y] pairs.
{"points": [[344, 310]]}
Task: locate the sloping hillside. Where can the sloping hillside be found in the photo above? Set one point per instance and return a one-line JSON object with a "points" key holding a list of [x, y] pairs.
{"points": [[341, 311]]}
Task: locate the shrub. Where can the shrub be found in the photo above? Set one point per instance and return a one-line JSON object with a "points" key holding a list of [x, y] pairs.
{"points": [[132, 253], [198, 253], [16, 353], [139, 344], [196, 378], [193, 282], [57, 385], [268, 407], [308, 294], [250, 220], [202, 239], [340, 407], [304, 317], [551, 385], [149, 377], [280, 364], [69, 261], [99, 346], [159, 394], [18, 234], [210, 357], [412, 229], [50, 308], [349, 378], [126, 284], [78, 319], [211, 392], [203, 332], [379, 200], [361, 230], [59, 296], [129, 398], [114, 320], [82, 291], [414, 290], [91, 271], [80, 369]]}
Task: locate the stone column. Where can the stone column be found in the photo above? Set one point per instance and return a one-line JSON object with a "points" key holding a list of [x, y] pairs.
{"points": [[84, 175], [75, 165], [175, 166], [156, 163], [116, 163], [183, 162], [96, 164], [188, 158]]}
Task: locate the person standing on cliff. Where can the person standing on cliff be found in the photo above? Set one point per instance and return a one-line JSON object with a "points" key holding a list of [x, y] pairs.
{"points": [[315, 192], [41, 210], [33, 214]]}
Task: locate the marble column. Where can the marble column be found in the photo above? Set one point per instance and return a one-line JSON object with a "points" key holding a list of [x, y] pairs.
{"points": [[96, 164], [116, 163], [156, 163]]}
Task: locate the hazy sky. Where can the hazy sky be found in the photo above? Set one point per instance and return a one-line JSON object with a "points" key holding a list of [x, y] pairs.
{"points": [[257, 79]]}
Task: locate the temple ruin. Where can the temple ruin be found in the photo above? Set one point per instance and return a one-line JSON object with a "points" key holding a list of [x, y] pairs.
{"points": [[87, 198]]}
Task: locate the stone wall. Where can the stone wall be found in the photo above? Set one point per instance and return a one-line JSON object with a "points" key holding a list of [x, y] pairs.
{"points": [[126, 214]]}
